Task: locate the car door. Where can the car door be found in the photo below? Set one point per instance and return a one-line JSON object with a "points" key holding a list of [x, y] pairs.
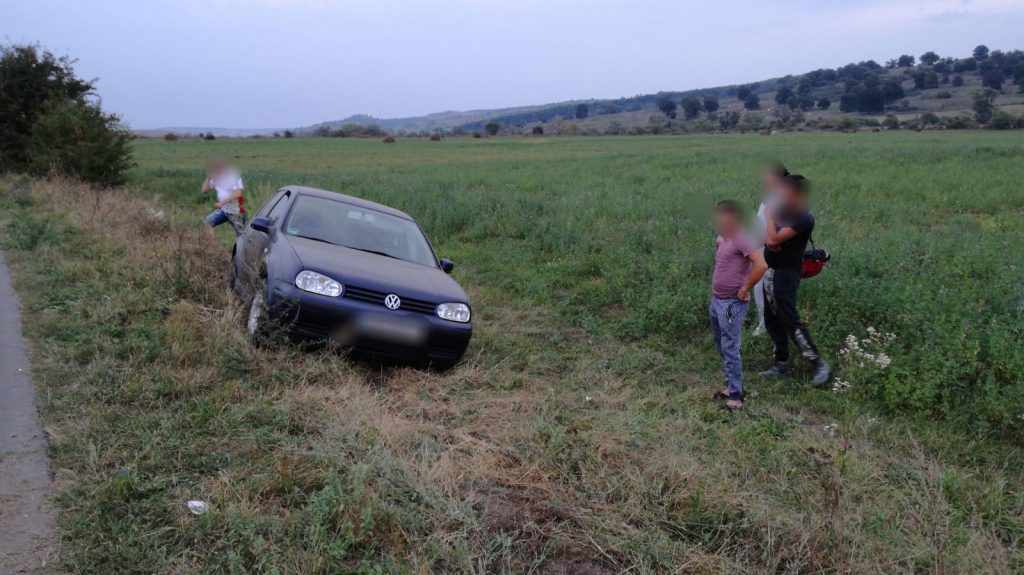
{"points": [[255, 242]]}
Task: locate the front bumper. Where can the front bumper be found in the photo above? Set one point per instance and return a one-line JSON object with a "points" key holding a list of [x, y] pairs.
{"points": [[368, 328]]}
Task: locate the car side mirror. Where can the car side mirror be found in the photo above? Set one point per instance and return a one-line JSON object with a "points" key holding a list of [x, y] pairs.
{"points": [[447, 266], [260, 225]]}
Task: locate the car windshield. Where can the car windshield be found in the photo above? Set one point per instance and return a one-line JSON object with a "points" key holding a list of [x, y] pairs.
{"points": [[358, 228]]}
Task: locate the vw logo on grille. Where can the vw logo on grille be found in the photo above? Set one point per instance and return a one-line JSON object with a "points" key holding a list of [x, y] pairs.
{"points": [[392, 301]]}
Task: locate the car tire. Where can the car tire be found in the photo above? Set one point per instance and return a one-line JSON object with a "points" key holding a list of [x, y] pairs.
{"points": [[443, 366], [257, 320], [233, 278]]}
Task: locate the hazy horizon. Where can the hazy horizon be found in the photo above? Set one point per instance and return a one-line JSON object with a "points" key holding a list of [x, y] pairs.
{"points": [[288, 63]]}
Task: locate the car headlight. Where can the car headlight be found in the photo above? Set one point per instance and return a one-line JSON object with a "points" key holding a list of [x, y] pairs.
{"points": [[454, 312], [318, 283]]}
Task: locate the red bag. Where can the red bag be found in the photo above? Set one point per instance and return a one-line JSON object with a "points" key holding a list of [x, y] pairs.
{"points": [[815, 260]]}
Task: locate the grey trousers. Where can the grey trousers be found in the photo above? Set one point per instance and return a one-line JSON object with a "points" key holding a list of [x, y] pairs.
{"points": [[726, 326]]}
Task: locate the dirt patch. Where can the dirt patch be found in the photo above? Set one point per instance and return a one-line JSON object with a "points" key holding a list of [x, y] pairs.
{"points": [[575, 561], [543, 528], [514, 512]]}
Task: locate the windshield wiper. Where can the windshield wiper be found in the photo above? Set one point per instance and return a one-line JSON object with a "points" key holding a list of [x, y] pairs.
{"points": [[374, 252], [315, 239], [379, 253]]}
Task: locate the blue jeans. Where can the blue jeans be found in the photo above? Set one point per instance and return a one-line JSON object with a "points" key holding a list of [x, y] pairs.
{"points": [[219, 216], [726, 325]]}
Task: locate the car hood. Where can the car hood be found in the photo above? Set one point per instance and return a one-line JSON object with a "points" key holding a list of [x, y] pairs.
{"points": [[377, 272]]}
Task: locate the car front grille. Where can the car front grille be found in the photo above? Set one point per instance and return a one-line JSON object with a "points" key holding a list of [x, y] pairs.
{"points": [[377, 298]]}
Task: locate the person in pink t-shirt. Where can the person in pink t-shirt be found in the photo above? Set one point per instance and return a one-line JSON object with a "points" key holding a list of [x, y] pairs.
{"points": [[739, 265]]}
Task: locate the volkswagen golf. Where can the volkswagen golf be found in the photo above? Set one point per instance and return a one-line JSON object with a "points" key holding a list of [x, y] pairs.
{"points": [[320, 265]]}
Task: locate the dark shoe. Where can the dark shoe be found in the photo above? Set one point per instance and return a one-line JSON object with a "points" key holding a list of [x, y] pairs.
{"points": [[822, 374], [724, 395], [778, 369]]}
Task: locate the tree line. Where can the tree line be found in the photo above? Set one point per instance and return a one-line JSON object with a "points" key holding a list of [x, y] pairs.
{"points": [[865, 87]]}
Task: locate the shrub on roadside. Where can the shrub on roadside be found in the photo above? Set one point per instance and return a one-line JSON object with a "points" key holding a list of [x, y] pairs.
{"points": [[76, 138], [48, 123]]}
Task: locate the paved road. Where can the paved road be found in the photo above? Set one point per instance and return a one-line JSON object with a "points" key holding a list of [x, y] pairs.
{"points": [[27, 542]]}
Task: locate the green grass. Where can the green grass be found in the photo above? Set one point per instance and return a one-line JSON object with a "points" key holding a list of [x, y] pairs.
{"points": [[923, 229], [578, 436]]}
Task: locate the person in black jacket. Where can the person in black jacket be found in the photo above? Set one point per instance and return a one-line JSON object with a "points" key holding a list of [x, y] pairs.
{"points": [[788, 229]]}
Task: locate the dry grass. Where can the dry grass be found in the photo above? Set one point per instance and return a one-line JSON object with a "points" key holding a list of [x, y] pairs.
{"points": [[548, 451]]}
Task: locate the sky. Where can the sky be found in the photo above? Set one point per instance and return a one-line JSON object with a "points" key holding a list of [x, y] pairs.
{"points": [[291, 63]]}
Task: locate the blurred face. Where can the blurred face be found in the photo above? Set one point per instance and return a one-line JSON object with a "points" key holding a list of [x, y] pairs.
{"points": [[790, 196], [216, 165], [771, 182], [726, 223]]}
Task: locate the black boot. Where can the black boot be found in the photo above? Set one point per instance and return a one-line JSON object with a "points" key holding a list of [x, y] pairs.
{"points": [[822, 374]]}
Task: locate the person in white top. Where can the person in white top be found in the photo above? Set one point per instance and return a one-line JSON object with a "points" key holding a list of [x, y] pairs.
{"points": [[771, 181], [226, 182]]}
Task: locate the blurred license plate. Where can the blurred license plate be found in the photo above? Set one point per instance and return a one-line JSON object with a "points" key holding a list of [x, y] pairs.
{"points": [[390, 328]]}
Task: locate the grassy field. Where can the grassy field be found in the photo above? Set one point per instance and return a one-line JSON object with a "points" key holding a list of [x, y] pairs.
{"points": [[578, 436]]}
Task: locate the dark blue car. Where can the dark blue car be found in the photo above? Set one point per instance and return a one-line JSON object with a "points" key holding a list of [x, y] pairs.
{"points": [[319, 265]]}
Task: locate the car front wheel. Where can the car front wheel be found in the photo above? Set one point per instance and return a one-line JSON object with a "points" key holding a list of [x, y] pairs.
{"points": [[258, 320], [233, 278]]}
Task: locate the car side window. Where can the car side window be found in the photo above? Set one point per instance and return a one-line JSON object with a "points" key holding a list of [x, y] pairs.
{"points": [[265, 210], [279, 208]]}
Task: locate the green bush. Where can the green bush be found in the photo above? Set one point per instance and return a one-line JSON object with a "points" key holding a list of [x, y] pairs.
{"points": [[76, 138], [47, 122], [29, 79], [1002, 121], [847, 123], [959, 122]]}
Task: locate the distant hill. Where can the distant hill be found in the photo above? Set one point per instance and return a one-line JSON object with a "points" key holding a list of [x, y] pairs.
{"points": [[430, 122], [219, 132], [929, 89]]}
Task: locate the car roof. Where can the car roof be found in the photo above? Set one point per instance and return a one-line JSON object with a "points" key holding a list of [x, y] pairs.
{"points": [[329, 195]]}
